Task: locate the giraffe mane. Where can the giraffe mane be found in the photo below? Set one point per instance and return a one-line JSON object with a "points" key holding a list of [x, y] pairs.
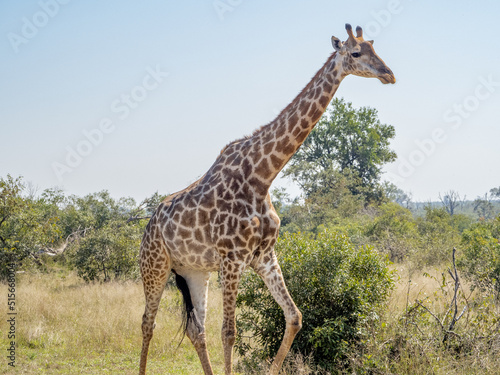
{"points": [[286, 109]]}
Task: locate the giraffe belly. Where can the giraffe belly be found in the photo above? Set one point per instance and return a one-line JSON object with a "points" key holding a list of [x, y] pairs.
{"points": [[195, 257]]}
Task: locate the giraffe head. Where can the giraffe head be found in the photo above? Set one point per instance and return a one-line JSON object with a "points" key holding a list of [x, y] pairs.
{"points": [[359, 58]]}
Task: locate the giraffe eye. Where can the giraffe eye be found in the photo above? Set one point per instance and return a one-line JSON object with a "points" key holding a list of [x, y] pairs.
{"points": [[355, 54]]}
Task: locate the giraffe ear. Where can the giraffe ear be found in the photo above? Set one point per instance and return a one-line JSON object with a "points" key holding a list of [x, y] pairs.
{"points": [[370, 41], [337, 44]]}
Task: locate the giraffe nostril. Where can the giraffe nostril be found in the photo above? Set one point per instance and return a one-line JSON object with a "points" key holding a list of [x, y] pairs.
{"points": [[385, 70]]}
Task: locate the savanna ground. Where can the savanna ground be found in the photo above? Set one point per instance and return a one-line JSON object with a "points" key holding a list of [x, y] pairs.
{"points": [[68, 326]]}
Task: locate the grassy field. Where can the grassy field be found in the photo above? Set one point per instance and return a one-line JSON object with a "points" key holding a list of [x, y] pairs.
{"points": [[65, 326]]}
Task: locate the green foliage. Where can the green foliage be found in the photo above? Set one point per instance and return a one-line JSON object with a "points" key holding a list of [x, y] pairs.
{"points": [[480, 262], [394, 231], [97, 234], [439, 231], [338, 288], [495, 192], [107, 253], [320, 208], [105, 244], [348, 147], [397, 195], [483, 207], [94, 211], [425, 241], [388, 227], [26, 227], [393, 219], [338, 167]]}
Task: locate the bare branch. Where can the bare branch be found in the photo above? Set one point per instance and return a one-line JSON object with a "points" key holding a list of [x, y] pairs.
{"points": [[462, 313], [451, 274], [430, 312], [418, 328], [457, 285]]}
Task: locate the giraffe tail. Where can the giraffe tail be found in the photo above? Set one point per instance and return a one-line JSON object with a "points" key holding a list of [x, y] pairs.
{"points": [[188, 313]]}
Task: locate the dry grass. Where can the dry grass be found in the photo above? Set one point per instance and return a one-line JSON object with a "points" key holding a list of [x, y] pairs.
{"points": [[66, 326], [411, 340], [411, 286]]}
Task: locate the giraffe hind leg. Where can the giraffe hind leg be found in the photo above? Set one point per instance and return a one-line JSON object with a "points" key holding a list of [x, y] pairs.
{"points": [[155, 274], [194, 315], [188, 313]]}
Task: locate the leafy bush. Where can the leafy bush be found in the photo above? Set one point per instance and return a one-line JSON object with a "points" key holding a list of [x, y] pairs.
{"points": [[107, 253], [26, 228], [394, 232], [338, 288], [423, 241], [103, 235], [439, 232], [480, 262]]}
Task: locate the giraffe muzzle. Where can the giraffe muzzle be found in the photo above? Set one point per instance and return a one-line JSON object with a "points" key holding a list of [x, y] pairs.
{"points": [[387, 77]]}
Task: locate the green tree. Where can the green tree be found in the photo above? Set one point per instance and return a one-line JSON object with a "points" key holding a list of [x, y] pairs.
{"points": [[348, 147], [397, 195], [27, 224], [94, 211], [313, 212], [483, 207], [495, 192], [338, 287], [104, 235], [108, 253]]}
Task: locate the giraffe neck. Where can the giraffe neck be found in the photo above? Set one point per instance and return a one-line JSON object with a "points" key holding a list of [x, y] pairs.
{"points": [[274, 144]]}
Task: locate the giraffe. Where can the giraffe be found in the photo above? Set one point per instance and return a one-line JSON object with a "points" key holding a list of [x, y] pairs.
{"points": [[225, 220]]}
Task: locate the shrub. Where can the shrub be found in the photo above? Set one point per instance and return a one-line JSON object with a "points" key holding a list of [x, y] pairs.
{"points": [[107, 253], [338, 288], [438, 233], [394, 231], [480, 262], [27, 226]]}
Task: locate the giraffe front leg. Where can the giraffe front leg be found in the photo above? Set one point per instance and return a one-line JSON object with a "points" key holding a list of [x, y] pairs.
{"points": [[230, 277], [270, 272]]}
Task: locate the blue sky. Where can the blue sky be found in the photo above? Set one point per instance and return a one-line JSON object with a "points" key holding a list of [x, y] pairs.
{"points": [[137, 97]]}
